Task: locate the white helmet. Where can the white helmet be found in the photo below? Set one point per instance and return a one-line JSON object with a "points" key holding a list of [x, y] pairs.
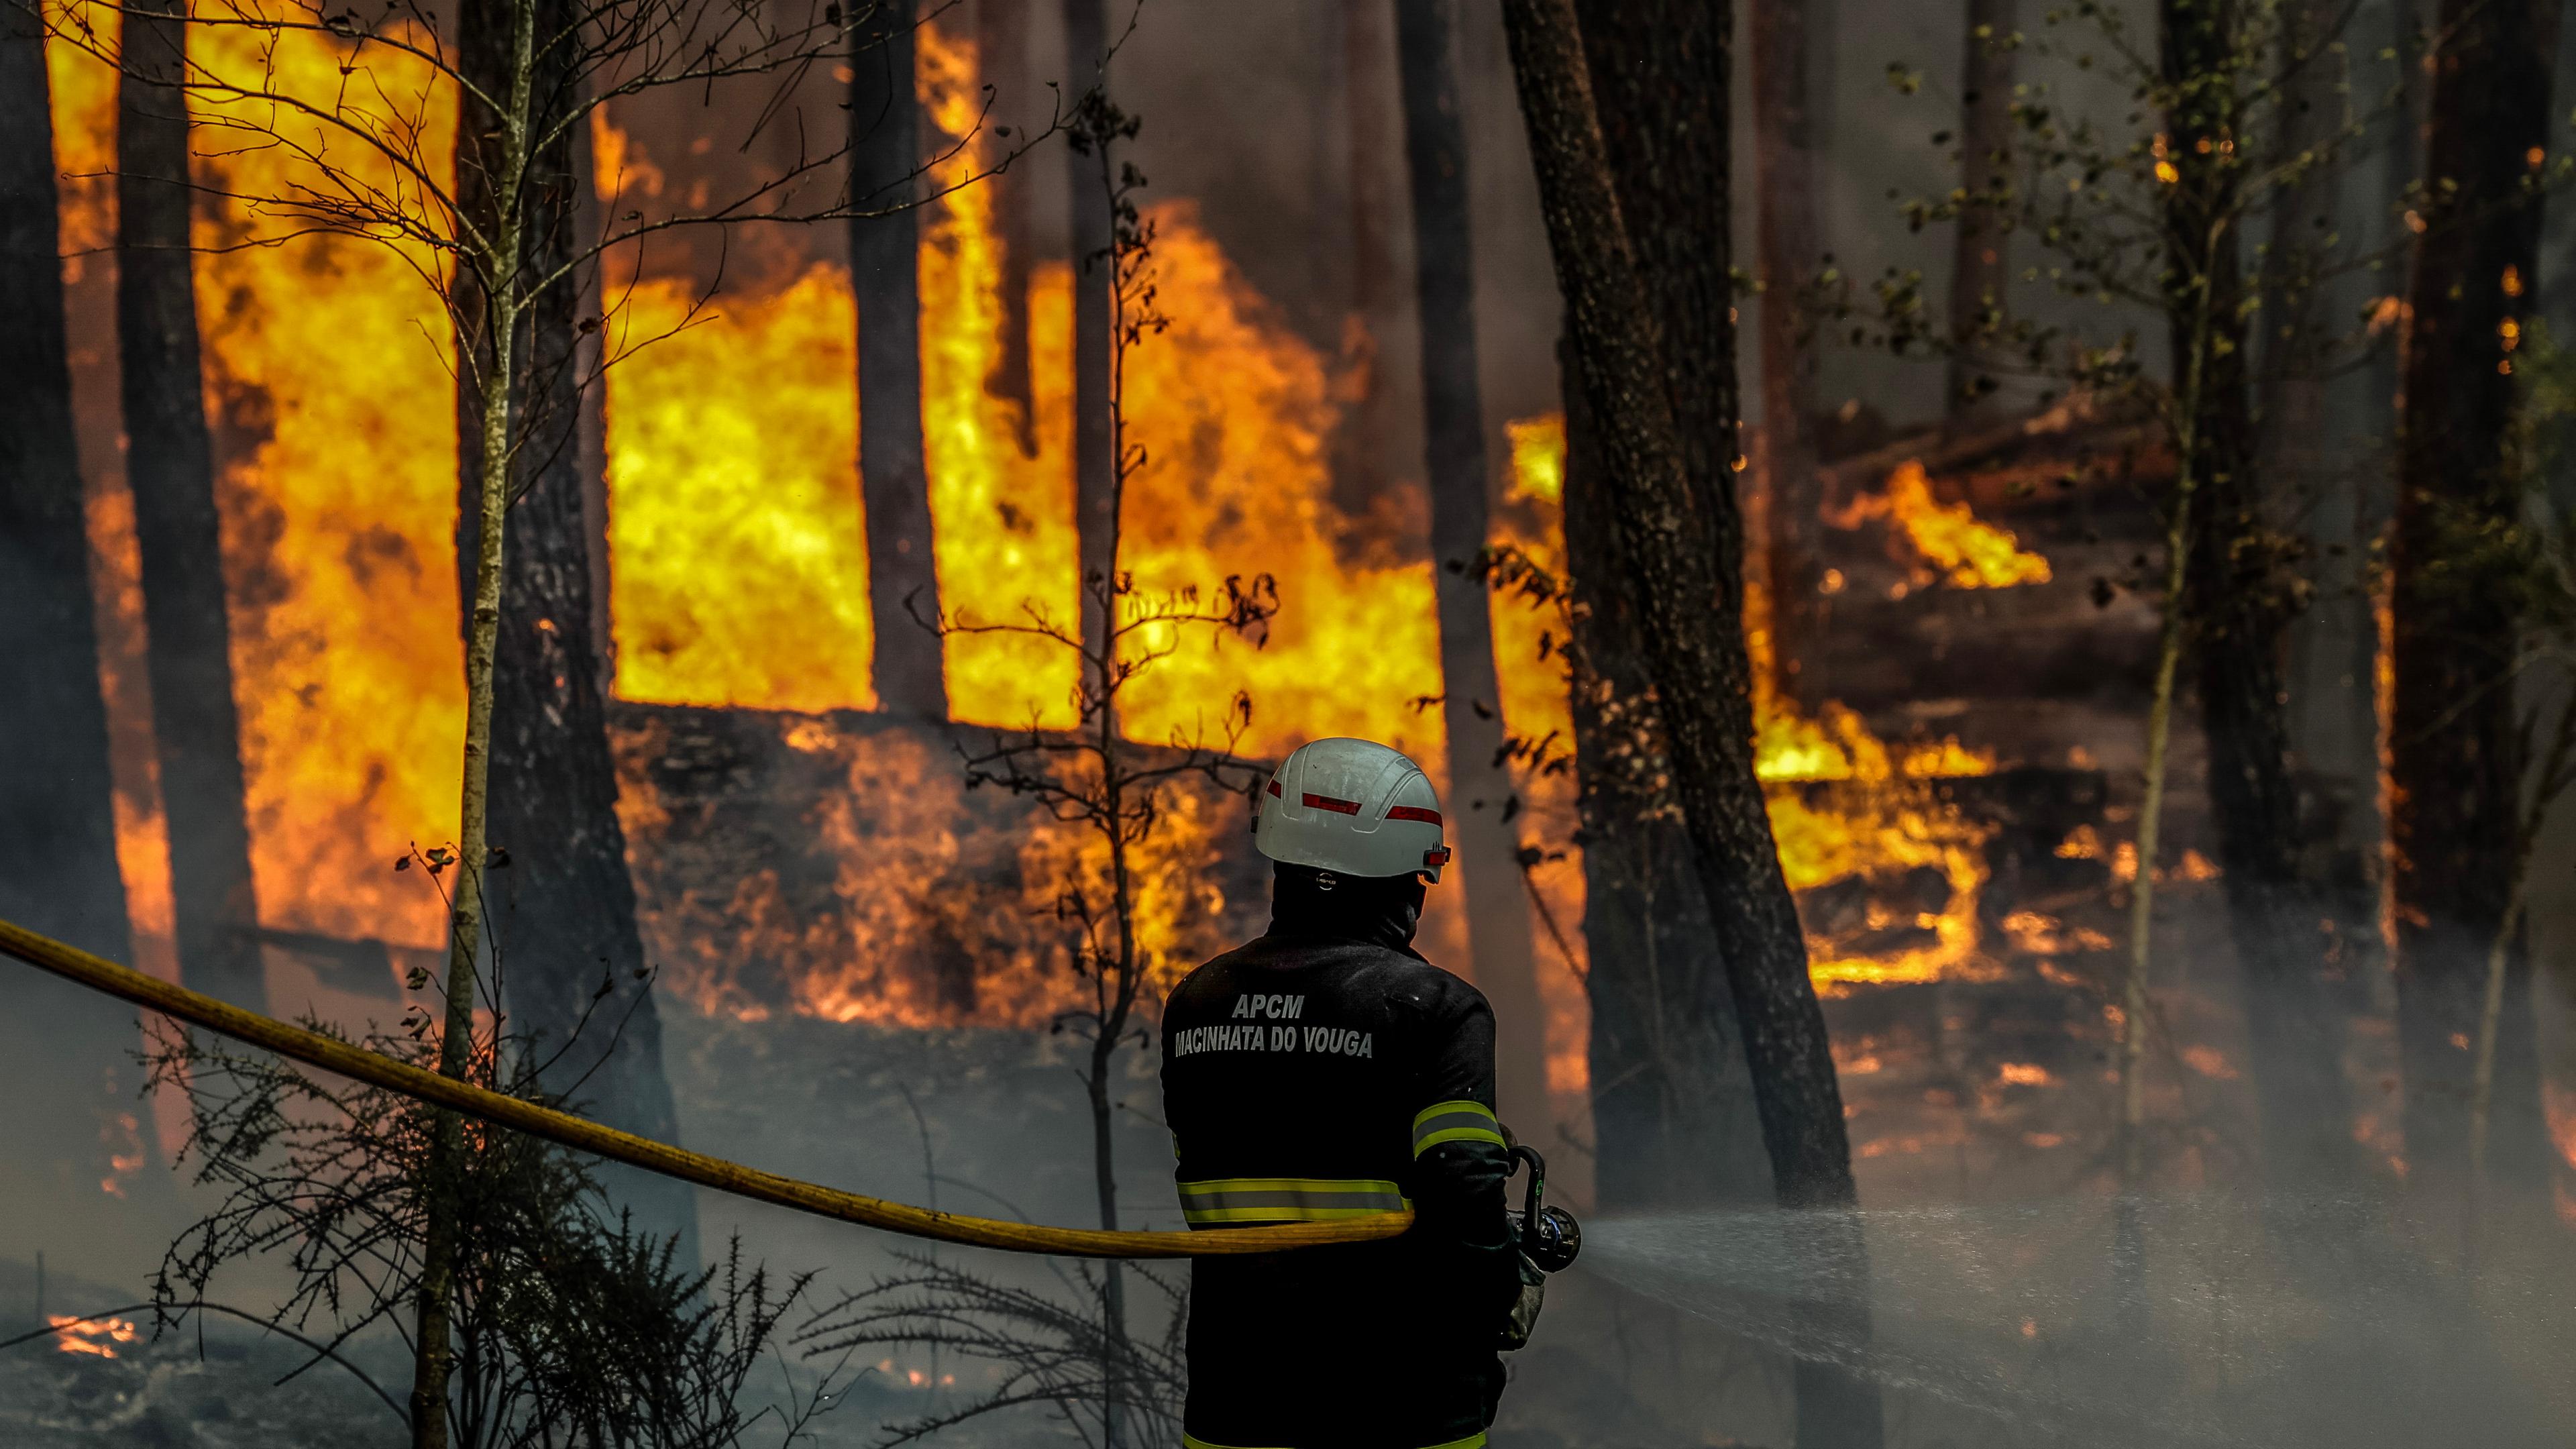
{"points": [[1353, 807]]}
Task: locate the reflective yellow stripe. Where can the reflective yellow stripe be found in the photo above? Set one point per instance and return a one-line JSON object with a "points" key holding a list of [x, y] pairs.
{"points": [[1454, 1122], [1193, 1441], [1287, 1199], [1196, 1442]]}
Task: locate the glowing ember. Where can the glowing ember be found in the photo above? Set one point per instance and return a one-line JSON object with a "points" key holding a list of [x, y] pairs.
{"points": [[2559, 1103], [2043, 935], [2209, 1062], [123, 1137], [95, 1337], [1966, 553]]}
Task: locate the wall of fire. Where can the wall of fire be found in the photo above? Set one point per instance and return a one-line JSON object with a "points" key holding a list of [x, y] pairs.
{"points": [[797, 856]]}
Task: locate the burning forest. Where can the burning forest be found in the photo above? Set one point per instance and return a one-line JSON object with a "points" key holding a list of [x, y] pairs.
{"points": [[651, 622]]}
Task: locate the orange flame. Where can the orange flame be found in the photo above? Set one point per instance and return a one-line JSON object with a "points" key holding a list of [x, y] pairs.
{"points": [[328, 380], [1875, 818], [96, 1337], [1967, 553], [82, 93], [740, 571], [740, 579]]}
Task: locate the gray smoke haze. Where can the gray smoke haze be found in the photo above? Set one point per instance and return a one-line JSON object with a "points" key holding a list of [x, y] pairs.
{"points": [[2276, 1324]]}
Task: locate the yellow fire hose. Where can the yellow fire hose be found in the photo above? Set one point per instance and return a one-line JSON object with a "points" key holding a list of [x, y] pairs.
{"points": [[375, 1069]]}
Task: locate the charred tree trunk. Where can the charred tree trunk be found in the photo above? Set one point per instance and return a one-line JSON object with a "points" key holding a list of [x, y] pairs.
{"points": [[1002, 44], [590, 359], [169, 461], [1980, 266], [568, 956], [1682, 548], [2455, 766], [885, 276], [1786, 243], [2400, 164], [1674, 1117], [2275, 910], [2238, 600], [1095, 461], [58, 867], [1482, 802]]}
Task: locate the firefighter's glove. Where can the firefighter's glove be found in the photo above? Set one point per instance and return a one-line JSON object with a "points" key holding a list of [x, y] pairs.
{"points": [[1524, 1314]]}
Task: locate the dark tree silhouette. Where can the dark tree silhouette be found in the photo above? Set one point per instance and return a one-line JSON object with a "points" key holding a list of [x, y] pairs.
{"points": [[58, 868], [2455, 762], [1368, 427], [1787, 243], [1672, 1110], [2243, 583], [1002, 46], [169, 462], [1980, 258], [885, 274], [1095, 457], [1683, 551], [1672, 1118], [1481, 800], [564, 906]]}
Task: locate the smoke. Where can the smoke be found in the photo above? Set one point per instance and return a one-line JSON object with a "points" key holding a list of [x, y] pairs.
{"points": [[2273, 1323]]}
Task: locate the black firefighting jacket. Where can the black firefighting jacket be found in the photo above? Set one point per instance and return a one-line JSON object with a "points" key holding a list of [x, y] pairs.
{"points": [[1323, 1071]]}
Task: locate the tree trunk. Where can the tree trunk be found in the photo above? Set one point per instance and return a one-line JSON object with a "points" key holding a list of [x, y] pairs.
{"points": [[1787, 244], [2455, 768], [2322, 466], [1682, 550], [1368, 425], [496, 44], [1672, 1110], [2296, 338], [169, 462], [528, 653], [2237, 603], [565, 905], [1095, 460], [2400, 165], [1113, 1279], [1668, 1064], [1482, 801], [2128, 1250], [885, 276], [58, 865], [1980, 259], [1002, 45]]}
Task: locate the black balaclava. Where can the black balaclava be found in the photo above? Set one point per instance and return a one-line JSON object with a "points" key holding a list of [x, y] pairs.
{"points": [[1381, 910]]}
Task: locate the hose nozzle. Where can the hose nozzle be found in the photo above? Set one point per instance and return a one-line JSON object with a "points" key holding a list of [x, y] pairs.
{"points": [[1549, 1236]]}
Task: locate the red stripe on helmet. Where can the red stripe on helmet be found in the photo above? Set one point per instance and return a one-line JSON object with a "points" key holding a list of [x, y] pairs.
{"points": [[1413, 812], [1327, 802], [1274, 787]]}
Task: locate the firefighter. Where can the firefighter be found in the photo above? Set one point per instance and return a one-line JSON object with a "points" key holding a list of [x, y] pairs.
{"points": [[1327, 1070]]}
